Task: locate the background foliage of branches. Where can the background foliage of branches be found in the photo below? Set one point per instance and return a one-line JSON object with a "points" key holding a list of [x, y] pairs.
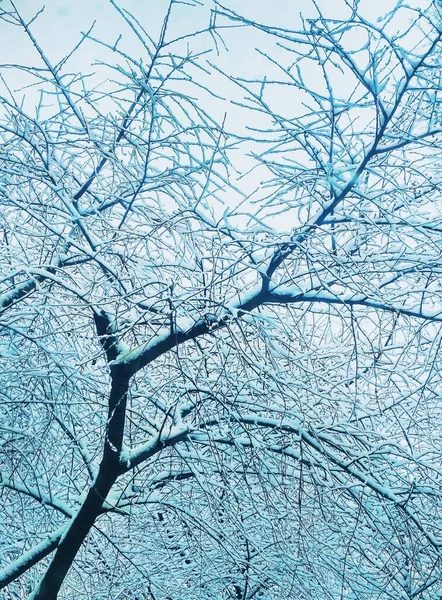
{"points": [[220, 321]]}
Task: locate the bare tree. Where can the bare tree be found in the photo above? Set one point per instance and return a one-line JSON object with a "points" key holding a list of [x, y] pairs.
{"points": [[220, 336]]}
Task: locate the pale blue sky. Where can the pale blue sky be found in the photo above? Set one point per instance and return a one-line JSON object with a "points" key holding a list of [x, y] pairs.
{"points": [[58, 30], [59, 26]]}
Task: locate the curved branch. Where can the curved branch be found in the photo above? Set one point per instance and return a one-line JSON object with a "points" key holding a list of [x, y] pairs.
{"points": [[30, 558]]}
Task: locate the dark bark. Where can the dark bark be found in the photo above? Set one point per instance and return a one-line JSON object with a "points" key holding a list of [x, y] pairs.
{"points": [[76, 534], [116, 415], [92, 507]]}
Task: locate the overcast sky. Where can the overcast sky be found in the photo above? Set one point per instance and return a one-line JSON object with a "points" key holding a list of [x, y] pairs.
{"points": [[58, 29]]}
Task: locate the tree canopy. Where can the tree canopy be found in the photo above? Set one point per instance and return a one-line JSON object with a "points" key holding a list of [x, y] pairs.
{"points": [[220, 306]]}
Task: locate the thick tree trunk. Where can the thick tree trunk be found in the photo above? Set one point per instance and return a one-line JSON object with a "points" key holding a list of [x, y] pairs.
{"points": [[77, 532], [84, 520]]}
